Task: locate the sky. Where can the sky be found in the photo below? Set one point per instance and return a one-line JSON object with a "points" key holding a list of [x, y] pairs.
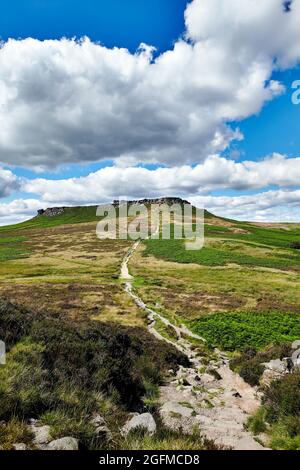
{"points": [[142, 98]]}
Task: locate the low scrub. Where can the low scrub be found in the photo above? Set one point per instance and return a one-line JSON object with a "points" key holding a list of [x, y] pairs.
{"points": [[61, 372], [249, 363], [282, 399], [279, 417]]}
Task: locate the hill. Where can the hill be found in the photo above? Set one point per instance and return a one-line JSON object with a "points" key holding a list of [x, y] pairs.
{"points": [[62, 301]]}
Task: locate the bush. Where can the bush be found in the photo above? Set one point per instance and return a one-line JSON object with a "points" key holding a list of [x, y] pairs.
{"points": [[249, 363], [24, 385], [282, 398], [285, 434], [12, 432], [293, 425], [256, 423], [251, 372], [15, 322], [62, 372]]}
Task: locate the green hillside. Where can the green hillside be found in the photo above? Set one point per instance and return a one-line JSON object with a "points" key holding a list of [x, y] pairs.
{"points": [[71, 215], [78, 345]]}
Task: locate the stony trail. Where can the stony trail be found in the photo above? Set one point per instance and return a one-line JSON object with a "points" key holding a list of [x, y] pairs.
{"points": [[210, 397]]}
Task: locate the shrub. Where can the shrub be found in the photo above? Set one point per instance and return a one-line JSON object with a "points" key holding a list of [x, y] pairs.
{"points": [[75, 423], [24, 385], [251, 372], [15, 322], [282, 398], [293, 425], [256, 423], [250, 359], [61, 371], [12, 432]]}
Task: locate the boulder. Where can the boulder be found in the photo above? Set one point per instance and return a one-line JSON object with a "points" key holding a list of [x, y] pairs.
{"points": [[174, 409], [143, 421], [276, 365], [65, 443], [41, 434], [101, 427], [51, 211], [19, 446]]}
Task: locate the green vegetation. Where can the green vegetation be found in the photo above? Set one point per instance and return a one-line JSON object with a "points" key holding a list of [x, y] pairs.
{"points": [[257, 423], [13, 248], [279, 416], [77, 344], [71, 215], [13, 432], [271, 236], [61, 372], [235, 242], [166, 439], [225, 253], [237, 331], [282, 399], [249, 363]]}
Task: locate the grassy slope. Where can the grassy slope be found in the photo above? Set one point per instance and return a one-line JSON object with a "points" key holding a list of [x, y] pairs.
{"points": [[247, 276], [72, 215], [63, 257], [254, 246], [70, 273], [253, 305]]}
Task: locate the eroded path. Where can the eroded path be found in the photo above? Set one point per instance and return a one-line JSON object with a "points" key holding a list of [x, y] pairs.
{"points": [[206, 396]]}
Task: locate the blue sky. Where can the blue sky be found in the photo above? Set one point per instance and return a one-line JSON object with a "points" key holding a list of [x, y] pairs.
{"points": [[127, 23], [114, 23], [121, 23], [41, 148], [276, 127]]}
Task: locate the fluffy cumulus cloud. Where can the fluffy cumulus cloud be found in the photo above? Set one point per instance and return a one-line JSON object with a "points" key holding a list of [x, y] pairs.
{"points": [[270, 206], [65, 101], [19, 210], [216, 173], [8, 182], [195, 183]]}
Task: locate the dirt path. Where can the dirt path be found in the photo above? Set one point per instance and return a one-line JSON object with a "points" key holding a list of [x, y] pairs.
{"points": [[209, 397]]}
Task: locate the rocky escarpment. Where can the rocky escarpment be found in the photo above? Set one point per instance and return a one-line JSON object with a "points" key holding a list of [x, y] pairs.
{"points": [[51, 211], [162, 200], [55, 211]]}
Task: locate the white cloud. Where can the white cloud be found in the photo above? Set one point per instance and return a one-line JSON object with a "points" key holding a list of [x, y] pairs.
{"points": [[215, 173], [271, 206], [64, 101], [276, 205], [262, 28], [8, 182], [18, 210]]}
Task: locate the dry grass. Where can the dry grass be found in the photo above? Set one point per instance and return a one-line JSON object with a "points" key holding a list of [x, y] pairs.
{"points": [[70, 272], [189, 291]]}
